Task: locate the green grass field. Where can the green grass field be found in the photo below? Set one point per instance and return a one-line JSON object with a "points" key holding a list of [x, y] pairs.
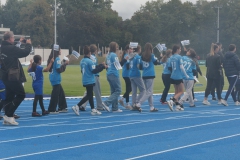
{"points": [[72, 82]]}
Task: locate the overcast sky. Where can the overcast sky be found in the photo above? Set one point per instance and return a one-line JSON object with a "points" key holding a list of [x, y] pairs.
{"points": [[126, 8]]}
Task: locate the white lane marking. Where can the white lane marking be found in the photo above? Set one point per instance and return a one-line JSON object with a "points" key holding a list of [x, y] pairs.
{"points": [[118, 139], [182, 147]]}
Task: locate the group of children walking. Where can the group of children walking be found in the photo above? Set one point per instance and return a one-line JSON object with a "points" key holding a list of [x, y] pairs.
{"points": [[138, 73]]}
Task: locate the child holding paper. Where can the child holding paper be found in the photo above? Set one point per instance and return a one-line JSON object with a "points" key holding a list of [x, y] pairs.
{"points": [[35, 69], [125, 74], [166, 74], [148, 60], [177, 72], [96, 87], [88, 69], [57, 95], [113, 79]]}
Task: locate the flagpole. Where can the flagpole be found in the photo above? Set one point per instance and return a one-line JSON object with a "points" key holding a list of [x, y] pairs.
{"points": [[55, 24]]}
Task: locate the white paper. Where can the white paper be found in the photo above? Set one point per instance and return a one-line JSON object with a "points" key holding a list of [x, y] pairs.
{"points": [[56, 47], [75, 54], [185, 42], [133, 44]]}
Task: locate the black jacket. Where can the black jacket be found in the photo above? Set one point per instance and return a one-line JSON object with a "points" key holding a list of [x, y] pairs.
{"points": [[231, 64], [9, 58], [214, 68]]}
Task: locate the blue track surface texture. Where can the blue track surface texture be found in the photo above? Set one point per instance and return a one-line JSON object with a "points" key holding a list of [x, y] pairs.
{"points": [[204, 132]]}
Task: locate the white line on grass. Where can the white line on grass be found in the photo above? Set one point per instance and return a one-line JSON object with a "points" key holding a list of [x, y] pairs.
{"points": [[119, 139], [182, 147]]}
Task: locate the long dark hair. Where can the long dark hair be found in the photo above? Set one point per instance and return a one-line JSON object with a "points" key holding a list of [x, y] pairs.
{"points": [[124, 52], [53, 54], [148, 49], [193, 54], [36, 60], [166, 55], [175, 48]]}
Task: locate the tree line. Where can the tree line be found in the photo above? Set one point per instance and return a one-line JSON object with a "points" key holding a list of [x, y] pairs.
{"points": [[83, 22]]}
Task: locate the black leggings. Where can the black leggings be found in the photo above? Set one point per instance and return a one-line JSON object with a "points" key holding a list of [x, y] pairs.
{"points": [[128, 88], [167, 85], [36, 99], [88, 97], [210, 83]]}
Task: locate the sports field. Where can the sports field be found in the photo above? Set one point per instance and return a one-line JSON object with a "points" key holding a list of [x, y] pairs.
{"points": [[72, 82]]}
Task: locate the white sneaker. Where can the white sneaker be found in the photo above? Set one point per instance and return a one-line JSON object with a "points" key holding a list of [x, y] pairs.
{"points": [[179, 108], [117, 111], [105, 107], [237, 103], [10, 121], [219, 102], [76, 110], [224, 102], [95, 112], [195, 100], [55, 112], [205, 102], [138, 105], [121, 102], [170, 104], [128, 106]]}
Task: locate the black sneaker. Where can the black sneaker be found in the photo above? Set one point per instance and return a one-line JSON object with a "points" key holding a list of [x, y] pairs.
{"points": [[81, 108], [214, 98], [16, 116], [62, 110], [45, 113], [36, 114]]}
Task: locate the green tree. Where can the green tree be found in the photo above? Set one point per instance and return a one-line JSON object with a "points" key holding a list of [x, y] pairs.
{"points": [[37, 21]]}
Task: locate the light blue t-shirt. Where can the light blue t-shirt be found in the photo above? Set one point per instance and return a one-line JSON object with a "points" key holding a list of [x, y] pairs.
{"points": [[87, 65], [54, 76], [188, 65], [134, 67], [165, 67], [112, 59], [175, 62], [148, 67], [95, 61]]}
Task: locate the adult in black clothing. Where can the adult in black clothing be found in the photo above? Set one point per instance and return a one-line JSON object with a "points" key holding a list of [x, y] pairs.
{"points": [[231, 67], [214, 73], [220, 53], [15, 93]]}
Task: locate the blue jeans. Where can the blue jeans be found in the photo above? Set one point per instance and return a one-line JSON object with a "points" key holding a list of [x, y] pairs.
{"points": [[115, 86]]}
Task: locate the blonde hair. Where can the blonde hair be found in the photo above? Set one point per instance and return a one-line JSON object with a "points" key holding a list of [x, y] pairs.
{"points": [[213, 48], [166, 56]]}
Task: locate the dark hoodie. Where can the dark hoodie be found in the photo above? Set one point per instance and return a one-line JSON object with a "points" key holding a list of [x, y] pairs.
{"points": [[231, 64]]}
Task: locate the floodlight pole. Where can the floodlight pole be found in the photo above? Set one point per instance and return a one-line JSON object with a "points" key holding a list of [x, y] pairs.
{"points": [[218, 7], [55, 24]]}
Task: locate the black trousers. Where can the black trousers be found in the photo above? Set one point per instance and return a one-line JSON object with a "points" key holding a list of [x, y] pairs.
{"points": [[218, 85], [38, 98], [57, 99], [213, 88], [167, 84], [128, 88], [15, 94], [231, 89], [88, 97]]}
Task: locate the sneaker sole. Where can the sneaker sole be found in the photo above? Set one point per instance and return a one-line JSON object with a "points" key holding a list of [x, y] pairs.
{"points": [[75, 112], [106, 108], [170, 106]]}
